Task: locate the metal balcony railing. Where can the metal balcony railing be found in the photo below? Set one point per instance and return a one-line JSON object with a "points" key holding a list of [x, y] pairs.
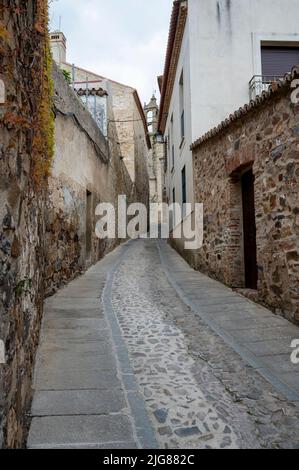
{"points": [[260, 83]]}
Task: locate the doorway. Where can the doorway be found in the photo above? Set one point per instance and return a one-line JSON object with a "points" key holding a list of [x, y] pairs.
{"points": [[88, 231], [249, 230]]}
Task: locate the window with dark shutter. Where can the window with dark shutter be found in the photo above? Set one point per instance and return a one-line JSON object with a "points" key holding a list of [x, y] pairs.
{"points": [[278, 60], [184, 193]]}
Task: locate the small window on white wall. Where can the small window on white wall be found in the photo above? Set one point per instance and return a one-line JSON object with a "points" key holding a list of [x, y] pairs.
{"points": [[172, 142]]}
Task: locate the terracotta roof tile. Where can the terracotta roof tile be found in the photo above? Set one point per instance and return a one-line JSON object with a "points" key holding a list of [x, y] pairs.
{"points": [[91, 91], [175, 37]]}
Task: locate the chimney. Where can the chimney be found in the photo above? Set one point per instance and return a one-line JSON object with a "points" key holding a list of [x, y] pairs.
{"points": [[58, 47]]}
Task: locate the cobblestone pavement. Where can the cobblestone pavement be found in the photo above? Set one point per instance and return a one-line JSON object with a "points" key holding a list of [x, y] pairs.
{"points": [[198, 392]]}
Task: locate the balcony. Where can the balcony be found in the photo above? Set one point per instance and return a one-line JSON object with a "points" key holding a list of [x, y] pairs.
{"points": [[260, 83]]}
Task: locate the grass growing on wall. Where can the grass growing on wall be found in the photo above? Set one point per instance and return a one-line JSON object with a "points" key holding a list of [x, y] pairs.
{"points": [[43, 141]]}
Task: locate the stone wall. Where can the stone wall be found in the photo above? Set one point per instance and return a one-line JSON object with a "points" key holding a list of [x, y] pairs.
{"points": [[132, 135], [87, 170], [23, 50], [265, 137]]}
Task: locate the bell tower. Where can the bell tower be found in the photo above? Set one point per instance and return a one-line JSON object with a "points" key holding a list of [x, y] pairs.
{"points": [[151, 112], [156, 154]]}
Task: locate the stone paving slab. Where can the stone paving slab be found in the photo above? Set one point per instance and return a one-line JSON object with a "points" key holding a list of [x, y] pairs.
{"points": [[83, 334], [80, 361], [279, 363], [82, 402], [75, 379], [87, 446], [271, 347], [242, 323], [74, 347], [68, 322], [260, 334], [72, 304], [53, 431], [81, 294], [229, 301], [291, 379]]}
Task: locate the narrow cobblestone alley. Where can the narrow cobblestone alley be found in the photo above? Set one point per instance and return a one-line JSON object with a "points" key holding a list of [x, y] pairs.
{"points": [[142, 351]]}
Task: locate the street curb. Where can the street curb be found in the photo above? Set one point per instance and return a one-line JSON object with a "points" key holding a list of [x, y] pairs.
{"points": [[246, 355]]}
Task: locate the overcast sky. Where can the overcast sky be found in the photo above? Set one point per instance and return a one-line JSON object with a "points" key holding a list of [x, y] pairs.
{"points": [[124, 40]]}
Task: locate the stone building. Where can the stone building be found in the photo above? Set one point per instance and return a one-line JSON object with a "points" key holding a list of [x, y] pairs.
{"points": [[87, 169], [220, 54], [126, 113], [156, 154], [58, 47], [246, 173], [101, 152]]}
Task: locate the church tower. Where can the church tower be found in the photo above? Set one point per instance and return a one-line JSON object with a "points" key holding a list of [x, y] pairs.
{"points": [[58, 47], [156, 155], [152, 111]]}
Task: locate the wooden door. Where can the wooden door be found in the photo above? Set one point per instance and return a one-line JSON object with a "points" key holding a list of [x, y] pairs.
{"points": [[249, 230]]}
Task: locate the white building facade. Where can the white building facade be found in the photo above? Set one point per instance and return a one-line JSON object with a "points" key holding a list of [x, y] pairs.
{"points": [[220, 55]]}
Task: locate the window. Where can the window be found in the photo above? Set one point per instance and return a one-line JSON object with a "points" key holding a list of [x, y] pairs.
{"points": [[172, 143], [166, 153], [173, 212], [172, 153], [97, 106], [183, 125], [89, 229], [278, 60], [184, 192], [149, 117], [182, 111]]}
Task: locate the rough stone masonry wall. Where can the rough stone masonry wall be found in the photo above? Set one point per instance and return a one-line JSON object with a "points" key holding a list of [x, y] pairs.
{"points": [[24, 109], [132, 136], [268, 139], [123, 114]]}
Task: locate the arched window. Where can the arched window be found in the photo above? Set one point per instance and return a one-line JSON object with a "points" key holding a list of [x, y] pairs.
{"points": [[150, 116]]}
